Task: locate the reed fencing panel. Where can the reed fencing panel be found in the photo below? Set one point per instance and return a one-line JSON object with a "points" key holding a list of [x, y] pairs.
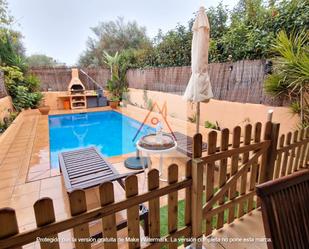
{"points": [[219, 186], [58, 78], [3, 92], [241, 81]]}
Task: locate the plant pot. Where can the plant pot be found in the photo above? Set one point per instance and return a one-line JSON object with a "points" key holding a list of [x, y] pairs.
{"points": [[114, 104], [44, 110]]}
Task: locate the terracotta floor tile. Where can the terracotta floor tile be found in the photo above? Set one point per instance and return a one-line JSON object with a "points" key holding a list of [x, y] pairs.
{"points": [[23, 170], [53, 193], [54, 172], [12, 170], [91, 196], [14, 155], [21, 179], [10, 166], [39, 167], [5, 148], [27, 188], [16, 149], [9, 182], [6, 194], [25, 216], [20, 145], [35, 176], [66, 237], [9, 174], [24, 201], [52, 182], [6, 203], [62, 216], [61, 205]]}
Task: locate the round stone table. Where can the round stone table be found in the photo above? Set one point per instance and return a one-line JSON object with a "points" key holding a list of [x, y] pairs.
{"points": [[156, 149]]}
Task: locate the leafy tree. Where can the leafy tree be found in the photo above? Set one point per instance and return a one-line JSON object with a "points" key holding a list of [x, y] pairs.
{"points": [[218, 17], [246, 32], [5, 17], [289, 15], [175, 48], [41, 60], [170, 49], [254, 26], [111, 37], [11, 49], [22, 87]]}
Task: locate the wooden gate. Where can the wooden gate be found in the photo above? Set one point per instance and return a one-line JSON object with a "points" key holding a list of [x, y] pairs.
{"points": [[228, 166]]}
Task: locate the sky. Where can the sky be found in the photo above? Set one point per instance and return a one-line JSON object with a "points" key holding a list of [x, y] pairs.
{"points": [[60, 28]]}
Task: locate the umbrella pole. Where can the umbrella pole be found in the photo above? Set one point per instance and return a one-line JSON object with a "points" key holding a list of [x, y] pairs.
{"points": [[198, 117]]}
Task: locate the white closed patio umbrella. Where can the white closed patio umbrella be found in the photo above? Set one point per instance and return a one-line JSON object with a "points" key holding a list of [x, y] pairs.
{"points": [[199, 87]]}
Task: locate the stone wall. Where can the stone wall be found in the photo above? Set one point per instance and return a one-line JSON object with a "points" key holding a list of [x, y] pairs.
{"points": [[3, 92], [5, 107]]}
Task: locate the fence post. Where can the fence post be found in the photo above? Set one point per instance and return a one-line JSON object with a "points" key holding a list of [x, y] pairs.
{"points": [[197, 189], [8, 224], [272, 134]]}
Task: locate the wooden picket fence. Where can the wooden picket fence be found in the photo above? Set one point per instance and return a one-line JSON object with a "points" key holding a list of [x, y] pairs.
{"points": [[218, 186], [47, 227], [292, 153]]}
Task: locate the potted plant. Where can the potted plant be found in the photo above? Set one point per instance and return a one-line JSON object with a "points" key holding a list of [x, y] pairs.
{"points": [[43, 108], [114, 102], [117, 85]]}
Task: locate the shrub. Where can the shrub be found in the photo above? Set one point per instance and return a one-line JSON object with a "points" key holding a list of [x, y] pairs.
{"points": [[211, 125], [192, 119], [117, 85], [22, 89], [291, 71], [32, 82], [7, 121]]}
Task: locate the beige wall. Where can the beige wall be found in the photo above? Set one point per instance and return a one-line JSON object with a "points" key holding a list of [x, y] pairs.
{"points": [[5, 106], [227, 114], [52, 100]]}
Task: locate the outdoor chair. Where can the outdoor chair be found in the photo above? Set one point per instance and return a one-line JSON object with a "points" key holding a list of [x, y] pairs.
{"points": [[285, 211]]}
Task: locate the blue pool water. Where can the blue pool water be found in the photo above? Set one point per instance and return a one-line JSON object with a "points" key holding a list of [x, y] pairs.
{"points": [[111, 132]]}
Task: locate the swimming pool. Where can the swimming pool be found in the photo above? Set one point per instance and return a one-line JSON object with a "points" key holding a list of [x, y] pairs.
{"points": [[111, 132]]}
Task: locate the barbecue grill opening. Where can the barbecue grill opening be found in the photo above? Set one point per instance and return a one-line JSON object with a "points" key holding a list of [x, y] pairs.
{"points": [[76, 86]]}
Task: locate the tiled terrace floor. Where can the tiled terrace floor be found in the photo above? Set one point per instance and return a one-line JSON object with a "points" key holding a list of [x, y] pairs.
{"points": [[25, 177]]}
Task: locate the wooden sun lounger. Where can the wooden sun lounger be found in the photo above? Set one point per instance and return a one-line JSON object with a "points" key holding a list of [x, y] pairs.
{"points": [[185, 144], [87, 168]]}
